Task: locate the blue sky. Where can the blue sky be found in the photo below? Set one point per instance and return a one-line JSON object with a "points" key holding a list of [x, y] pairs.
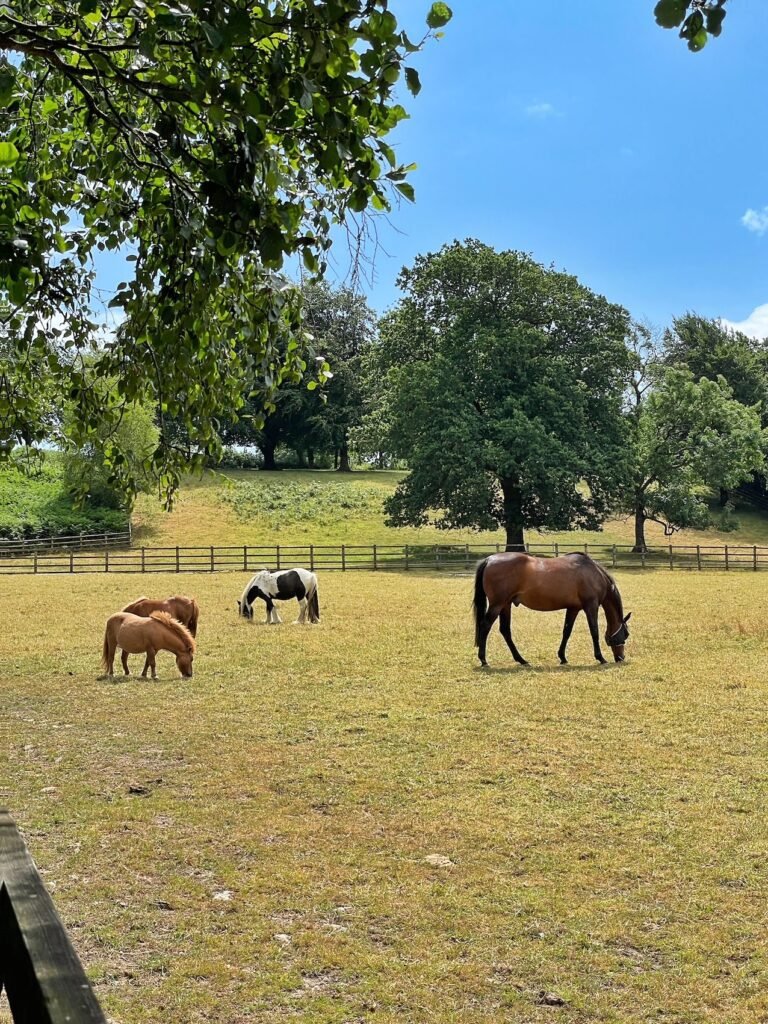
{"points": [[581, 132]]}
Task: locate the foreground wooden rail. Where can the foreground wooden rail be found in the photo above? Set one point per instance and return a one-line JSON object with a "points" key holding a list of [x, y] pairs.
{"points": [[371, 557], [39, 969]]}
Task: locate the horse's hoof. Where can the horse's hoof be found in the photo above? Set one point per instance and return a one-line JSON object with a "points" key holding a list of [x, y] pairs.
{"points": [[563, 661], [602, 661]]}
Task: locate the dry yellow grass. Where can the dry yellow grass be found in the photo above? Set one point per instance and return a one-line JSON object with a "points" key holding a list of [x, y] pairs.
{"points": [[251, 846]]}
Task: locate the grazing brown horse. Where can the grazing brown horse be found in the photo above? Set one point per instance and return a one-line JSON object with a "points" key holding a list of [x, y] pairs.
{"points": [[184, 609], [136, 634], [573, 582]]}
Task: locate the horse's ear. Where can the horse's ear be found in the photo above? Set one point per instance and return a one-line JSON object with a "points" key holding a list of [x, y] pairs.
{"points": [[239, 606], [627, 617]]}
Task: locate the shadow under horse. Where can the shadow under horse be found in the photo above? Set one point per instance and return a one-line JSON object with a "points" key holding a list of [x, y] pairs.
{"points": [[574, 582]]}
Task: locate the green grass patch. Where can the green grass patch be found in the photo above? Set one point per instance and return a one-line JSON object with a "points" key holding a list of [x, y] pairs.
{"points": [[256, 845], [39, 506], [288, 502]]}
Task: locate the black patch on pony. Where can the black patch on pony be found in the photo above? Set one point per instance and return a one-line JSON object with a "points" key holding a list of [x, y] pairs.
{"points": [[289, 585]]}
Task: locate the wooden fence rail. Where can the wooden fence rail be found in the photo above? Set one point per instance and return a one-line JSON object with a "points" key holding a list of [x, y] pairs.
{"points": [[372, 557], [12, 548], [39, 969]]}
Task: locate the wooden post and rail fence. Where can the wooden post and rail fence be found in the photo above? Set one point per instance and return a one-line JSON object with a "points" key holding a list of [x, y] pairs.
{"points": [[117, 556], [39, 969]]}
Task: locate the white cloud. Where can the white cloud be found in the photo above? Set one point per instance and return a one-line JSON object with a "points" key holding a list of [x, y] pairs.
{"points": [[541, 110], [756, 324], [756, 220]]}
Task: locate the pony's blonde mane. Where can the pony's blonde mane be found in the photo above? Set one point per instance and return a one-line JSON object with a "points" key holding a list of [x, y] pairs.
{"points": [[166, 619]]}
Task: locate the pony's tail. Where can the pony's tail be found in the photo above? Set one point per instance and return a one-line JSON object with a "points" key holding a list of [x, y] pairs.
{"points": [[105, 648], [480, 601], [192, 624], [314, 606]]}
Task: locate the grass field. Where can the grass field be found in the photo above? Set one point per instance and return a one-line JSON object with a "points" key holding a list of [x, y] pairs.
{"points": [[256, 845], [207, 512]]}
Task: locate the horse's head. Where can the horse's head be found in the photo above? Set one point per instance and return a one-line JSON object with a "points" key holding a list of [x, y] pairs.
{"points": [[184, 664], [245, 609], [618, 638]]}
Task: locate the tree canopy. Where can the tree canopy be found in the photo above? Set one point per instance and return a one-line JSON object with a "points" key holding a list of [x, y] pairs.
{"points": [[696, 19], [209, 139], [506, 390], [687, 435]]}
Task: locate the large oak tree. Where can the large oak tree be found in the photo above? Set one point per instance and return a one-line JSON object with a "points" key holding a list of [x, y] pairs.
{"points": [[506, 394]]}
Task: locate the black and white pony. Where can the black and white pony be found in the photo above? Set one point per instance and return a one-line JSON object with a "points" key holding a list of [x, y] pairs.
{"points": [[282, 586]]}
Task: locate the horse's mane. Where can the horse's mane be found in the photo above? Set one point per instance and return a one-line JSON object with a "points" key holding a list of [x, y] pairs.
{"points": [[132, 605], [166, 619]]}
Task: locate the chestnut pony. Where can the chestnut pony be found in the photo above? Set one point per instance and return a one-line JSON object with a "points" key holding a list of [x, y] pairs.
{"points": [[182, 608], [574, 582], [137, 634]]}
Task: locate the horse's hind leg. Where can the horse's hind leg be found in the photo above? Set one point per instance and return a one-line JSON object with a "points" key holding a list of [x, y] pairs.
{"points": [[570, 618], [303, 603], [590, 611], [124, 659], [484, 629], [505, 628]]}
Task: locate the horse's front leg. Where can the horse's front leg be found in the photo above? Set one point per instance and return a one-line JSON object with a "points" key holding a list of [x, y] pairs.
{"points": [[124, 659], [303, 604], [276, 620], [591, 612], [570, 617], [505, 628], [149, 663]]}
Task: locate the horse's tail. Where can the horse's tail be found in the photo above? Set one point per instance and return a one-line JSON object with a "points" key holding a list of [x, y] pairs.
{"points": [[480, 601], [314, 604], [105, 648], [192, 624]]}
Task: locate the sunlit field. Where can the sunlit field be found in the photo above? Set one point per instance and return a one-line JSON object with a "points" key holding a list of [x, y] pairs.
{"points": [[351, 822]]}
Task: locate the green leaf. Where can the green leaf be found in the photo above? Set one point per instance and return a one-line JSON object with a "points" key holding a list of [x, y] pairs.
{"points": [[439, 14], [405, 188], [412, 81], [8, 154], [699, 41], [715, 19], [670, 13]]}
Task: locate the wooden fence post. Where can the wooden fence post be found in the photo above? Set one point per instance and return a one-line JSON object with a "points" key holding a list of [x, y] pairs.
{"points": [[671, 563], [642, 557], [613, 560], [34, 561], [212, 559], [727, 566], [343, 558], [71, 560], [557, 549], [698, 557], [312, 557], [178, 564], [245, 558], [406, 556], [466, 556], [143, 559], [754, 557], [106, 559], [375, 560], [277, 556]]}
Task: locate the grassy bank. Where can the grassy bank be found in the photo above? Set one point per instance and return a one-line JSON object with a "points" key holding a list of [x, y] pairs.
{"points": [[249, 507], [351, 822]]}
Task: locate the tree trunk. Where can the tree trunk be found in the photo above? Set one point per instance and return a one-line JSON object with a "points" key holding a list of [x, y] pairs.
{"points": [[640, 544], [311, 458], [344, 466], [725, 496], [513, 517], [268, 451], [335, 458]]}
